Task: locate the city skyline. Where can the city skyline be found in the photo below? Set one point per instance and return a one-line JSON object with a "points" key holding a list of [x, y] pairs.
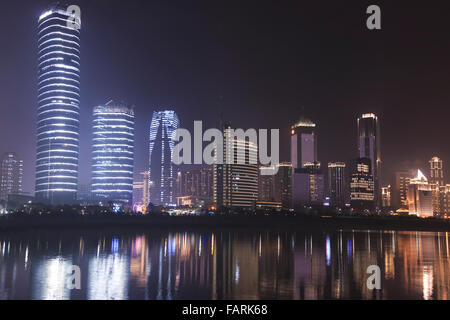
{"points": [[339, 148]]}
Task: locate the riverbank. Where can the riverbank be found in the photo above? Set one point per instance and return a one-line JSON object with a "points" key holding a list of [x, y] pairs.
{"points": [[12, 223]]}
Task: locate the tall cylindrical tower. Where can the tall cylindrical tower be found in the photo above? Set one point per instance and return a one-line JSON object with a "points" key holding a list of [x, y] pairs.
{"points": [[58, 107], [113, 153]]}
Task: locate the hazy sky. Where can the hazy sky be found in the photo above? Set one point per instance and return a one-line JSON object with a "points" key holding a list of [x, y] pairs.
{"points": [[257, 63]]}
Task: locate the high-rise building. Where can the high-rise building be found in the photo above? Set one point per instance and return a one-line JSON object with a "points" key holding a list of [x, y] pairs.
{"points": [[197, 185], [436, 181], [436, 171], [58, 107], [283, 185], [399, 189], [236, 179], [369, 147], [266, 184], [308, 185], [386, 196], [303, 143], [362, 187], [141, 192], [444, 200], [162, 177], [337, 186], [420, 197], [307, 180], [278, 187], [11, 174], [113, 153]]}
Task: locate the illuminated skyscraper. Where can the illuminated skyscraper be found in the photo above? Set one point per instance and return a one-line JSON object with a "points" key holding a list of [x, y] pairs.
{"points": [[196, 186], [420, 199], [369, 147], [436, 182], [303, 143], [11, 174], [278, 187], [308, 180], [236, 179], [436, 171], [162, 178], [337, 186], [399, 189], [361, 187], [113, 153], [58, 107], [386, 196]]}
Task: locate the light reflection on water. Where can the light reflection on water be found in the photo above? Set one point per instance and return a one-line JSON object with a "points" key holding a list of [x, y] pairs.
{"points": [[225, 265]]}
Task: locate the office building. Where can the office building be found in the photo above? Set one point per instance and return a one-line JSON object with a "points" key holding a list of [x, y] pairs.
{"points": [[436, 174], [386, 196], [337, 184], [399, 189], [369, 147], [58, 107], [236, 182], [303, 143], [162, 171], [113, 153], [420, 196], [11, 175], [276, 188], [308, 186], [307, 180], [196, 186], [362, 187]]}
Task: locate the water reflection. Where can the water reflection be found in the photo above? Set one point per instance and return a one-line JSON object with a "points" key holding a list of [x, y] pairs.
{"points": [[225, 265]]}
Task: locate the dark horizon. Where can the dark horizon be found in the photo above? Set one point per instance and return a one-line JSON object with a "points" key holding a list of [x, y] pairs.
{"points": [[258, 63]]}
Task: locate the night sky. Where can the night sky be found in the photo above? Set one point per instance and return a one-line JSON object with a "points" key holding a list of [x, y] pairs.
{"points": [[257, 63]]}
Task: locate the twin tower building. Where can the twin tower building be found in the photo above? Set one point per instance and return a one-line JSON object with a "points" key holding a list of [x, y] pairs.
{"points": [[58, 127]]}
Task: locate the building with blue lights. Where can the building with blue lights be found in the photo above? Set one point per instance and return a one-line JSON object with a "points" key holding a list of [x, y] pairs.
{"points": [[113, 153], [162, 178], [58, 107]]}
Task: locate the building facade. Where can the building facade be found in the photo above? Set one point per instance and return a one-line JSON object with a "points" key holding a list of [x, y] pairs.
{"points": [[197, 185], [307, 180], [337, 184], [11, 175], [276, 188], [369, 147], [436, 174], [58, 107], [399, 189], [420, 196], [236, 177], [362, 187], [386, 196], [113, 153], [162, 171]]}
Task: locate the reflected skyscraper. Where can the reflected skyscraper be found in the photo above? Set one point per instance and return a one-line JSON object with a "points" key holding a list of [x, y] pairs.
{"points": [[113, 153], [162, 128], [58, 107], [369, 147]]}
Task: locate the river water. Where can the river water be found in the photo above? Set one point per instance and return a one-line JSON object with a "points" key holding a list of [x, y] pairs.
{"points": [[223, 265]]}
